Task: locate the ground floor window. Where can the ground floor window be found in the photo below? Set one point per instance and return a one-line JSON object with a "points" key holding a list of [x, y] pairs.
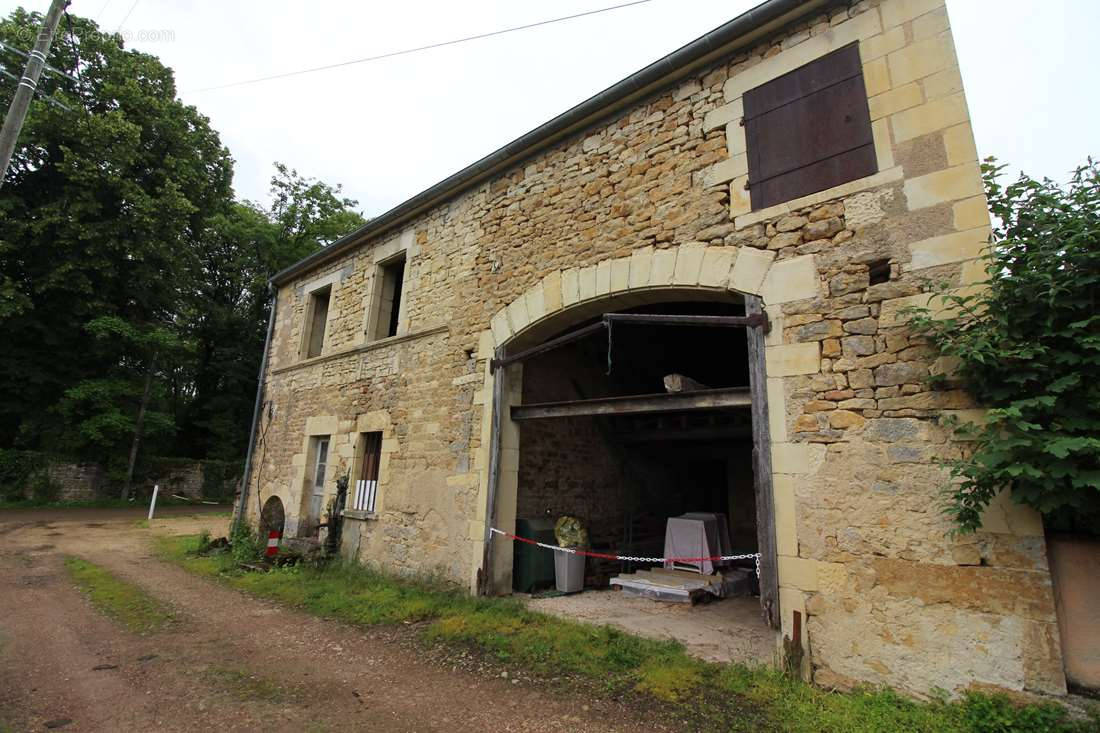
{"points": [[366, 487]]}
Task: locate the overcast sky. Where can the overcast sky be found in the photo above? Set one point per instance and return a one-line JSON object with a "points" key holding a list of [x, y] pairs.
{"points": [[389, 129]]}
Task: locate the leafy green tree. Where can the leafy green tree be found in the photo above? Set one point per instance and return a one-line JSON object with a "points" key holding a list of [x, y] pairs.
{"points": [[1028, 347], [238, 251], [97, 215], [119, 406], [133, 287]]}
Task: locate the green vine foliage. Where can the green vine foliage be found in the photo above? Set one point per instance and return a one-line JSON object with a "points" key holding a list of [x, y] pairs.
{"points": [[1028, 348]]}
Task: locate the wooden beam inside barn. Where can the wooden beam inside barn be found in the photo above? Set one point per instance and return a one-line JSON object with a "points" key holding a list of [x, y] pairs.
{"points": [[711, 399]]}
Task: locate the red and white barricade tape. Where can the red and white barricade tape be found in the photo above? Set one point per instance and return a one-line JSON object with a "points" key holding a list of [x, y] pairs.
{"points": [[629, 558]]}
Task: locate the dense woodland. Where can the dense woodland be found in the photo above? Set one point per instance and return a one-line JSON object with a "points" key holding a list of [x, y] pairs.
{"points": [[130, 274]]}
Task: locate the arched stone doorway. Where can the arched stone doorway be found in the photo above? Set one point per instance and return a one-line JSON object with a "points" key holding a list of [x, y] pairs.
{"points": [[272, 517], [556, 321]]}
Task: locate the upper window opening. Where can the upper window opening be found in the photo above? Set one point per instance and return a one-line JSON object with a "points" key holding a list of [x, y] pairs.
{"points": [[809, 130], [391, 277], [317, 319]]}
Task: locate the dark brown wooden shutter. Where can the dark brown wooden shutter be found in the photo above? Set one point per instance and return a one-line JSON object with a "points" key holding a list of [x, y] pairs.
{"points": [[809, 130]]}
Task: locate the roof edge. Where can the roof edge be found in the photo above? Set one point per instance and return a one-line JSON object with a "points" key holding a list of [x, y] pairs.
{"points": [[665, 71]]}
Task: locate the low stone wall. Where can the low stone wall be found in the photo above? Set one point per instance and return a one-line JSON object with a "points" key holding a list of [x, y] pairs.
{"points": [[77, 481], [57, 479]]}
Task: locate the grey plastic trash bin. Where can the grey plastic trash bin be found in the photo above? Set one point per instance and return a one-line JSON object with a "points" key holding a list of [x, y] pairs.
{"points": [[568, 572]]}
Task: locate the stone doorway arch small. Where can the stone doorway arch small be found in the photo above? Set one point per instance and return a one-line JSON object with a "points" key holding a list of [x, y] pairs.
{"points": [[272, 517]]}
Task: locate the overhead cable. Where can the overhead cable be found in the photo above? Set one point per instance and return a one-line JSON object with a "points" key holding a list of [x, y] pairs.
{"points": [[419, 48]]}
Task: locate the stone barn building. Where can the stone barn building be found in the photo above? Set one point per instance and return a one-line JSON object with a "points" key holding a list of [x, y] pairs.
{"points": [[753, 212]]}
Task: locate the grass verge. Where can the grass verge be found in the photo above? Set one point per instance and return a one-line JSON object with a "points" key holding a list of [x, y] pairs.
{"points": [[98, 504], [714, 697], [124, 602]]}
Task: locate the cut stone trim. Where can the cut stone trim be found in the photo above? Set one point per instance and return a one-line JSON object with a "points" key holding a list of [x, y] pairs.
{"points": [[954, 247], [380, 344], [881, 178], [858, 28], [690, 265]]}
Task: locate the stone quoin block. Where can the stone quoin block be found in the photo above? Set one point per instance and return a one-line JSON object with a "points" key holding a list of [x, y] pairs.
{"points": [[797, 458], [947, 248], [788, 280], [726, 170], [876, 77], [792, 359], [723, 115], [740, 202], [797, 572], [783, 499], [951, 184], [895, 100], [970, 213], [937, 114], [878, 46], [896, 12], [777, 410], [959, 143], [921, 59]]}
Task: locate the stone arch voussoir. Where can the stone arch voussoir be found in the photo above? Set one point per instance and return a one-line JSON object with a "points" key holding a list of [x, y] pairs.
{"points": [[689, 266]]}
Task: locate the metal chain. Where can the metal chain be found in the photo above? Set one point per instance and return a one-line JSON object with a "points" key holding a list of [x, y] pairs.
{"points": [[628, 558]]}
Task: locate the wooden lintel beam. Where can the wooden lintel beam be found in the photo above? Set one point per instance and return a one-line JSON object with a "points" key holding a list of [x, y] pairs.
{"points": [[713, 399]]}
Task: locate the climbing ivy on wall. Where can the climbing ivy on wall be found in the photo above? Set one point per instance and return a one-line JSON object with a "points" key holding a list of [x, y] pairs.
{"points": [[1028, 348]]}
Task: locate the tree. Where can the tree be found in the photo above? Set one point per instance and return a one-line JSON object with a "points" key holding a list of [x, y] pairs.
{"points": [[238, 252], [114, 408], [1028, 347], [133, 287], [97, 215]]}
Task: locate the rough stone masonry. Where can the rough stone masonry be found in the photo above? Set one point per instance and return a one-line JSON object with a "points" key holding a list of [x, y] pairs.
{"points": [[653, 198]]}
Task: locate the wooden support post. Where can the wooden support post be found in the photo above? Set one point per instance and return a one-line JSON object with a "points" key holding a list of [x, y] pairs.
{"points": [[762, 468], [485, 576]]}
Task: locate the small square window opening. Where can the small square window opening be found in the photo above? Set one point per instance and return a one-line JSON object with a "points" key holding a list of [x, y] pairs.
{"points": [[879, 271]]}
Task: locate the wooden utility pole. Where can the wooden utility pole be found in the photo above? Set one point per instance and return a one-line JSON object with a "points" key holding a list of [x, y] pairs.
{"points": [[24, 92]]}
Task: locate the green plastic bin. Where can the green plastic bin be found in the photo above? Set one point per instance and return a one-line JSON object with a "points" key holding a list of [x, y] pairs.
{"points": [[533, 567]]}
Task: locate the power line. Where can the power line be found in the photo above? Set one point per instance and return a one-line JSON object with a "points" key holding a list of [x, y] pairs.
{"points": [[127, 16], [419, 48]]}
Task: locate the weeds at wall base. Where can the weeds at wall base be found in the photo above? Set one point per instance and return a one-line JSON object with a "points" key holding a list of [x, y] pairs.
{"points": [[609, 662]]}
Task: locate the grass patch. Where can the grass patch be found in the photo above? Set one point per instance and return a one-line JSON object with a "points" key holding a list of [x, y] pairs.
{"points": [[98, 504], [124, 602], [244, 686], [720, 697]]}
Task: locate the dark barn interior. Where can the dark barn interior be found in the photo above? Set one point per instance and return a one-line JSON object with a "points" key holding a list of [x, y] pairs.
{"points": [[625, 472]]}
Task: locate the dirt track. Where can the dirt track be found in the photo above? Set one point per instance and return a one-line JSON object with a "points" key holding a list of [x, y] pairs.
{"points": [[228, 661]]}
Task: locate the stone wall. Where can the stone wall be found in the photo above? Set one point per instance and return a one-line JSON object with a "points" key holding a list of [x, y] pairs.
{"points": [[77, 481], [89, 481], [651, 204]]}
